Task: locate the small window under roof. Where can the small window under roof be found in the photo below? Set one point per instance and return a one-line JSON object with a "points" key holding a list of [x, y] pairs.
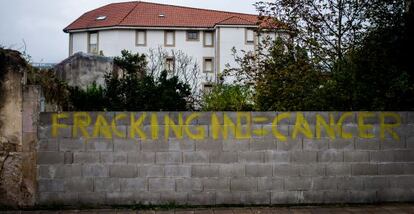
{"points": [[161, 15], [99, 18]]}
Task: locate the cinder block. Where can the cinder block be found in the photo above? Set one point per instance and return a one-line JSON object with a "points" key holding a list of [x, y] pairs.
{"points": [[50, 185], [404, 155], [147, 198], [236, 145], [330, 155], [350, 183], [376, 183], [382, 156], [287, 197], [290, 145], [141, 157], [269, 184], [116, 198], [342, 144], [126, 145], [168, 157], [338, 169], [311, 170], [364, 169], [231, 170], [217, 184], [154, 145], [391, 169], [93, 198], [205, 171], [179, 198], [258, 170], [325, 183], [195, 157], [100, 145], [223, 157], [202, 198], [395, 195], [409, 141], [178, 171], [316, 144], [263, 144], [312, 197], [285, 170], [227, 198], [48, 145], [62, 198], [390, 143], [123, 171], [251, 157], [205, 118], [161, 184], [107, 185], [270, 132], [243, 184], [336, 196], [181, 145], [304, 156], [59, 171], [367, 144], [209, 145], [356, 156], [409, 168], [133, 184], [277, 157], [71, 145], [405, 182], [86, 157], [364, 196], [265, 117], [45, 132], [151, 170], [78, 185], [189, 185], [255, 198], [68, 158], [50, 158], [298, 183], [95, 170], [114, 157]]}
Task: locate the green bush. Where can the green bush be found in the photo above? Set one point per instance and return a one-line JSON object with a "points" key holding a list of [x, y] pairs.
{"points": [[228, 98]]}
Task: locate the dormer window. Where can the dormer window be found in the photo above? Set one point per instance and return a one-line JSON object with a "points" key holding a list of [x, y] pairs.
{"points": [[100, 18]]}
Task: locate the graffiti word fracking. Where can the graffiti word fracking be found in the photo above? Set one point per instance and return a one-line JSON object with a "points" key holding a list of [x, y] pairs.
{"points": [[221, 126]]}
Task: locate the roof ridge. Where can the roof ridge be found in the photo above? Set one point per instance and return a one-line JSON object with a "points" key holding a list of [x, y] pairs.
{"points": [[233, 17], [187, 7]]}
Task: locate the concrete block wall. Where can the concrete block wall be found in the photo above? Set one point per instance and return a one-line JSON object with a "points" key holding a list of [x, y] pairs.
{"points": [[209, 158]]}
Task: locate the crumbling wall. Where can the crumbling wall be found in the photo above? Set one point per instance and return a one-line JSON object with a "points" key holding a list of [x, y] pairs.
{"points": [[17, 151], [83, 69]]}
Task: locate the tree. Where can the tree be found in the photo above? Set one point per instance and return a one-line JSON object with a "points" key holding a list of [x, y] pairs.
{"points": [[328, 28], [224, 97], [135, 90]]}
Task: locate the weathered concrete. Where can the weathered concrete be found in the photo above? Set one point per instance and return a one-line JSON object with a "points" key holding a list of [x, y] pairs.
{"points": [[19, 108], [83, 69]]}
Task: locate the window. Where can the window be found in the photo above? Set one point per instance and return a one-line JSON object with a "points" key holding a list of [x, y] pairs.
{"points": [[93, 40], [169, 38], [249, 36], [208, 65], [208, 38], [141, 38], [207, 88], [70, 44], [169, 64], [193, 35]]}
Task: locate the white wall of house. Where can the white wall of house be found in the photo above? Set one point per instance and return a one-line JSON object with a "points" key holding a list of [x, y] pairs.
{"points": [[113, 41]]}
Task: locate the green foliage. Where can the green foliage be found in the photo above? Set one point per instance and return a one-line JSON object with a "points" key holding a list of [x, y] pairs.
{"points": [[134, 90], [288, 80], [91, 99], [228, 98]]}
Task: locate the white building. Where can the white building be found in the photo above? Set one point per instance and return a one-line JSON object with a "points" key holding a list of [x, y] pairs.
{"points": [[206, 35]]}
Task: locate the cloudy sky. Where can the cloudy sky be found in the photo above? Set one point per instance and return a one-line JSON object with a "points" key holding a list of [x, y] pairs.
{"points": [[39, 23]]}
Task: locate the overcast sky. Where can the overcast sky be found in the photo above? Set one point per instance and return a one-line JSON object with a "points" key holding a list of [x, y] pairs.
{"points": [[39, 23]]}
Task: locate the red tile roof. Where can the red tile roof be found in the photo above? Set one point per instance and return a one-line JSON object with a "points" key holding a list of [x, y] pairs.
{"points": [[145, 14]]}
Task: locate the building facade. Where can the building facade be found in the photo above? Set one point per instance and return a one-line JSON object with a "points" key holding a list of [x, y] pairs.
{"points": [[208, 36]]}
